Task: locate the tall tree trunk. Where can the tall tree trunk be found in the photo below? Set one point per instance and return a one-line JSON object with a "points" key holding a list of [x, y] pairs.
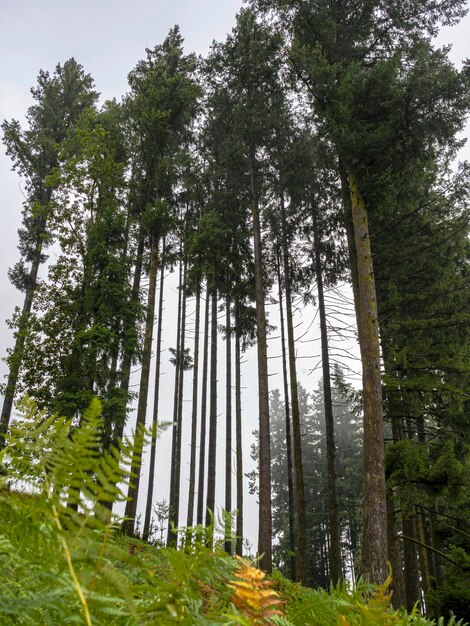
{"points": [[202, 438], [192, 460], [174, 440], [156, 394], [228, 430], [349, 227], [133, 490], [333, 508], [422, 552], [265, 513], [211, 464], [129, 348], [238, 434], [290, 481], [411, 593], [394, 553], [301, 561], [16, 357], [374, 553], [179, 429], [412, 586]]}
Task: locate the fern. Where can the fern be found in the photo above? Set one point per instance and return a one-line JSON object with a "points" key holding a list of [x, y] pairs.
{"points": [[63, 560], [253, 594], [56, 551]]}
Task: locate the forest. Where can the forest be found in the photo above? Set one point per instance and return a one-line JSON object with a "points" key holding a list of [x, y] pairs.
{"points": [[309, 162]]}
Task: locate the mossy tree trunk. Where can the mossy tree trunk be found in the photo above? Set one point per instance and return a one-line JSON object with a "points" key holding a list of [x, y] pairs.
{"points": [[374, 549]]}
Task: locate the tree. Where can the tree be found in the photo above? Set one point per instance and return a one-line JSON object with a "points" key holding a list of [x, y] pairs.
{"points": [[316, 488], [162, 105], [75, 323], [60, 100], [345, 58], [248, 63]]}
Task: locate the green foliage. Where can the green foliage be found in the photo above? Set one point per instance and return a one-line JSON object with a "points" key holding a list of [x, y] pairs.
{"points": [[62, 560], [346, 606]]}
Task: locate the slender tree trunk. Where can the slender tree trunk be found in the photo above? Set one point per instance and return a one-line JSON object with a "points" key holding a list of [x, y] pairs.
{"points": [[333, 508], [179, 429], [129, 348], [352, 539], [437, 544], [192, 460], [228, 429], [265, 513], [238, 427], [301, 561], [374, 553], [394, 553], [410, 573], [412, 587], [111, 390], [202, 439], [420, 529], [422, 552], [133, 491], [174, 440], [395, 543], [349, 227], [153, 447], [16, 357], [211, 465], [290, 481]]}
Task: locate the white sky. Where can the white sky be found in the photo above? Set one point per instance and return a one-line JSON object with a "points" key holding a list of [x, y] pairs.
{"points": [[108, 37]]}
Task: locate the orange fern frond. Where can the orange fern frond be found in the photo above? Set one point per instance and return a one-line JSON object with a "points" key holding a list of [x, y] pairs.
{"points": [[253, 595]]}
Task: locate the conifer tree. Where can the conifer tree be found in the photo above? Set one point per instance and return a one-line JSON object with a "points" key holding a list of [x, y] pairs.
{"points": [[60, 100], [162, 105], [329, 43]]}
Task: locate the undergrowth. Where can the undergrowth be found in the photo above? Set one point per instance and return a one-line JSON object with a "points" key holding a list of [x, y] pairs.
{"points": [[64, 561]]}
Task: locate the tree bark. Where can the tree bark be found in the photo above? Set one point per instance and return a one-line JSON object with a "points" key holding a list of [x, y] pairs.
{"points": [[238, 427], [129, 351], [228, 430], [211, 464], [333, 508], [133, 490], [156, 394], [301, 563], [179, 429], [265, 513], [192, 460], [374, 552], [16, 357], [202, 437], [394, 553], [174, 440], [290, 481]]}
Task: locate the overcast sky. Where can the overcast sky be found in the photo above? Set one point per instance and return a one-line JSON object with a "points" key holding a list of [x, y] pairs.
{"points": [[108, 37]]}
